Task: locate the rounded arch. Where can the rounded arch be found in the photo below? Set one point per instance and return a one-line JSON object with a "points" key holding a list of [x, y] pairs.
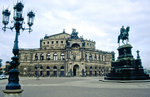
{"points": [[48, 71], [90, 67], [90, 57], [90, 74], [62, 72], [41, 67], [76, 66], [55, 71], [47, 67], [85, 67], [62, 67], [48, 56], [95, 67], [76, 70], [41, 70], [75, 46], [99, 67], [55, 67], [55, 54], [42, 56], [35, 67], [83, 72], [36, 56], [62, 54]]}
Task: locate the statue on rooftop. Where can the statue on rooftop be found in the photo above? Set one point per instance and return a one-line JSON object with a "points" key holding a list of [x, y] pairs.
{"points": [[74, 34]]}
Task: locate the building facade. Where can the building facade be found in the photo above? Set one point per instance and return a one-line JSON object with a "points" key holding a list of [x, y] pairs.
{"points": [[64, 54]]}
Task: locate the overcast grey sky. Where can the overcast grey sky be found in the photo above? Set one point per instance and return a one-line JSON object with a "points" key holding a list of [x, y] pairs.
{"points": [[98, 20]]}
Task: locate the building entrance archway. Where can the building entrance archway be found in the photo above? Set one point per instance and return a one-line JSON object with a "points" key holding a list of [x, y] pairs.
{"points": [[76, 70]]}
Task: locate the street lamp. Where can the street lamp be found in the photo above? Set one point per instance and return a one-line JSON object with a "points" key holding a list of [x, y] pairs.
{"points": [[37, 71], [13, 81], [6, 14]]}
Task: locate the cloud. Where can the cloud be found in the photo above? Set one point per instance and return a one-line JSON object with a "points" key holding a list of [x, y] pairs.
{"points": [[98, 20]]}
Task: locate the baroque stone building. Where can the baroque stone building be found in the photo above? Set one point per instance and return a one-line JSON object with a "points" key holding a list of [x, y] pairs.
{"points": [[64, 55]]}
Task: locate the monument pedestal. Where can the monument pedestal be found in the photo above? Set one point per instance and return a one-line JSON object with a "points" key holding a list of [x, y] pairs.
{"points": [[13, 93], [126, 67]]}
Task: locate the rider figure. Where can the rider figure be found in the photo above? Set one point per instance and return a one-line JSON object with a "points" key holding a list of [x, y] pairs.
{"points": [[124, 35], [122, 30]]}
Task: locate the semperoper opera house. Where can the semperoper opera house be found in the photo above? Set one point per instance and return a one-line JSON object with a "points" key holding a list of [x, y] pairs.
{"points": [[63, 54]]}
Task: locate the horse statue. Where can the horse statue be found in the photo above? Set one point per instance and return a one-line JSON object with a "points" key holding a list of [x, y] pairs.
{"points": [[124, 35], [74, 34]]}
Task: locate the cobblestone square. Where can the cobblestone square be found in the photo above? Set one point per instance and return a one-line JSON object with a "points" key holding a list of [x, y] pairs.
{"points": [[79, 87]]}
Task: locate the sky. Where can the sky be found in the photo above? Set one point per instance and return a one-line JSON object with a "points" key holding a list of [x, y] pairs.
{"points": [[97, 20]]}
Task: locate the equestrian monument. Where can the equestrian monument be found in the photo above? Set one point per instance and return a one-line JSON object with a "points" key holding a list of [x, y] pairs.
{"points": [[126, 67]]}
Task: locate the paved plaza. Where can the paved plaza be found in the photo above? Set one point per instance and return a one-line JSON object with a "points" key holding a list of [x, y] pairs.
{"points": [[79, 87]]}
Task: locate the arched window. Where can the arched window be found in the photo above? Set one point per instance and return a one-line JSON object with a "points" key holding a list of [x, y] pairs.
{"points": [[41, 67], [42, 57], [95, 73], [99, 68], [85, 68], [48, 67], [36, 56], [62, 73], [35, 67], [90, 67], [95, 68], [55, 56], [90, 57], [83, 72], [48, 71], [74, 57], [95, 57], [99, 57], [54, 67], [85, 56], [75, 46], [41, 71], [90, 71], [55, 71], [62, 67], [62, 56], [103, 58], [48, 56]]}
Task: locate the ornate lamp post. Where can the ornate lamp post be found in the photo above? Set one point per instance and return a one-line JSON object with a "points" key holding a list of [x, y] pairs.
{"points": [[37, 73], [13, 81]]}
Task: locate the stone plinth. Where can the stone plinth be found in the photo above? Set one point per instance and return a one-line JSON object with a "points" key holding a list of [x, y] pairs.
{"points": [[126, 67], [13, 93], [125, 51]]}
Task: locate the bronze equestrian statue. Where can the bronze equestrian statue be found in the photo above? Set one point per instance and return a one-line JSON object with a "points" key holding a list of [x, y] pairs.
{"points": [[124, 35]]}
